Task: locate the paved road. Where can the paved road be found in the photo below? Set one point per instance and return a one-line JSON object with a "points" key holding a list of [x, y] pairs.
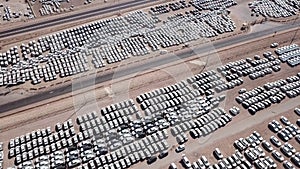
{"points": [[70, 18], [135, 68]]}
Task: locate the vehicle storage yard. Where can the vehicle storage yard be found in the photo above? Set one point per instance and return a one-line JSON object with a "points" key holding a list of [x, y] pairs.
{"points": [[180, 84], [52, 7], [14, 11]]}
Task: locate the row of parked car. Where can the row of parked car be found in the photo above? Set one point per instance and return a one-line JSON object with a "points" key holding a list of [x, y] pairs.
{"points": [[198, 119], [209, 81], [260, 98], [198, 115], [212, 4], [124, 157], [114, 139], [50, 7], [198, 4], [62, 63], [289, 54], [9, 12], [175, 96], [286, 49], [274, 9], [34, 52], [44, 146], [204, 23], [79, 151], [166, 8], [235, 160], [285, 131], [286, 148], [205, 81], [11, 56], [118, 133], [131, 126], [253, 68], [259, 67], [84, 155], [67, 53], [209, 124], [254, 151], [167, 98]]}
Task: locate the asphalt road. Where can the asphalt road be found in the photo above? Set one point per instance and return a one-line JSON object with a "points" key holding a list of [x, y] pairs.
{"points": [[135, 68], [70, 18]]}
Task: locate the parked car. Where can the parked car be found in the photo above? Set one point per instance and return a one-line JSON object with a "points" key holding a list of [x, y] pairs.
{"points": [[288, 165], [173, 166], [180, 148], [277, 156], [285, 121], [297, 111], [163, 154], [218, 154], [275, 141], [185, 161], [267, 146], [274, 45], [151, 160]]}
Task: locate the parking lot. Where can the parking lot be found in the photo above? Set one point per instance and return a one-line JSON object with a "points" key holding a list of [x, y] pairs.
{"points": [[240, 114], [255, 148], [15, 11], [52, 7], [180, 129], [274, 9], [107, 42]]}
